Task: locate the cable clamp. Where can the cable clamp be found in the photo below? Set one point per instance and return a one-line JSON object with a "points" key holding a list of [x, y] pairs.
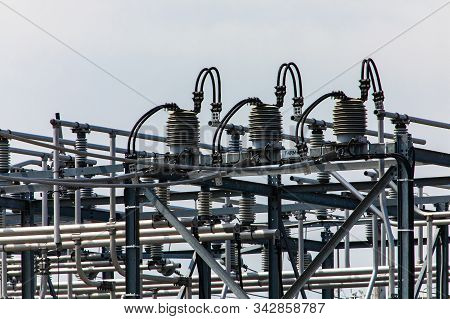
{"points": [[131, 246], [132, 207]]}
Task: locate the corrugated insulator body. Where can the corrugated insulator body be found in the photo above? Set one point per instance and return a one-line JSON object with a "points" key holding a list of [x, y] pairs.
{"points": [[349, 120], [265, 126], [182, 132], [265, 259], [204, 204], [4, 155], [246, 215], [316, 141]]}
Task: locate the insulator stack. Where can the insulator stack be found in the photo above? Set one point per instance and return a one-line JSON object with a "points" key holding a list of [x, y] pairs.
{"points": [[163, 194], [234, 257], [204, 204], [285, 219], [265, 126], [182, 132], [155, 250], [86, 192], [391, 194], [246, 215], [235, 143], [349, 120], [400, 129], [307, 259], [81, 161], [2, 218], [368, 229], [81, 146], [316, 141], [4, 155], [265, 259]]}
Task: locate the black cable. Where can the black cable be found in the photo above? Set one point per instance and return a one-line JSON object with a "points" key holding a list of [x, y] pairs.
{"points": [[296, 81], [213, 82], [214, 75], [299, 78], [225, 120], [363, 68], [294, 84], [372, 62], [304, 116], [198, 78], [135, 126], [219, 83], [135, 134], [219, 131], [369, 74], [280, 69]]}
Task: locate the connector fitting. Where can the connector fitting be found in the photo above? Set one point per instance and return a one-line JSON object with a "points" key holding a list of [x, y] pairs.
{"points": [[280, 92], [364, 86]]}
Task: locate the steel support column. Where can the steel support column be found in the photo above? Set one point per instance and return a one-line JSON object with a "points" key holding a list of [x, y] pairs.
{"points": [[132, 248], [27, 261], [444, 262], [274, 217], [204, 272], [204, 276], [442, 265], [405, 205], [327, 293]]}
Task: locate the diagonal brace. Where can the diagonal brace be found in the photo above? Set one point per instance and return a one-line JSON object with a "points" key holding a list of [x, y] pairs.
{"points": [[195, 244], [340, 234]]}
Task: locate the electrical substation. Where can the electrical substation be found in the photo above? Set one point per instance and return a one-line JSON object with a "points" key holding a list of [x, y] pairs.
{"points": [[216, 219]]}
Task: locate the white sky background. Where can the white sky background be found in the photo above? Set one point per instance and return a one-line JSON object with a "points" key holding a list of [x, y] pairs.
{"points": [[158, 47]]}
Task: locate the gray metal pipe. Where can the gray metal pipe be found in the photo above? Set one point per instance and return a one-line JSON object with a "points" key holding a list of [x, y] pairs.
{"points": [[413, 119]]}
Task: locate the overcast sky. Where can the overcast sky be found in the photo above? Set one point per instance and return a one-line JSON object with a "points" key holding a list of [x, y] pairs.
{"points": [[158, 48]]}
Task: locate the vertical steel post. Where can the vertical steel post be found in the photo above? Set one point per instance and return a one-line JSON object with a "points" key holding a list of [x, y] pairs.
{"points": [[27, 260], [430, 258], [44, 218], [204, 276], [438, 265], [420, 233], [4, 168], [274, 212], [301, 242], [56, 192], [347, 245], [442, 267], [204, 272], [405, 206], [132, 245], [112, 193], [327, 293]]}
